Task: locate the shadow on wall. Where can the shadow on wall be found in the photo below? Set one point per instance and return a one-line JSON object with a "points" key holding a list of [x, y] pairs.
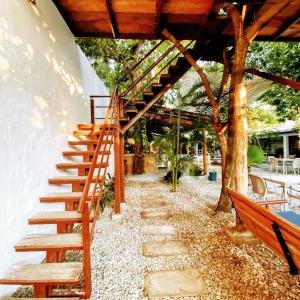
{"points": [[11, 44]]}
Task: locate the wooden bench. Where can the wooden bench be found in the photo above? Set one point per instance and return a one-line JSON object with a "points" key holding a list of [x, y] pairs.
{"points": [[278, 231]]}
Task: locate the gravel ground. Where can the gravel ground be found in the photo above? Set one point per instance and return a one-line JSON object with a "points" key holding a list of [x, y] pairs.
{"points": [[229, 271]]}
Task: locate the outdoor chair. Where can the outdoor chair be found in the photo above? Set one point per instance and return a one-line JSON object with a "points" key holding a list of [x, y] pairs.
{"points": [[260, 188], [273, 164], [296, 166]]}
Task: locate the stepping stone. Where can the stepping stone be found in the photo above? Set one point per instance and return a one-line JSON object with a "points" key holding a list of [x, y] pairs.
{"points": [[147, 205], [157, 229], [164, 248], [181, 283], [155, 214]]}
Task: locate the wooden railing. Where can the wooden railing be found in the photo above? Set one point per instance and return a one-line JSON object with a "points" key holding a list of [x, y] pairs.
{"points": [[89, 204]]}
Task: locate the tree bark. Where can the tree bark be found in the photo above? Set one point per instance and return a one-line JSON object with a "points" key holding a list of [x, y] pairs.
{"points": [[236, 172]]}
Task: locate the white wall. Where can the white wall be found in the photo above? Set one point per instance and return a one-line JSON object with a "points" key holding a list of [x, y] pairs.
{"points": [[45, 82]]}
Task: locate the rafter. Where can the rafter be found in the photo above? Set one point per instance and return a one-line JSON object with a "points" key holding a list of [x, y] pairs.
{"points": [[158, 9], [281, 80], [253, 30], [286, 25], [110, 18], [169, 119]]}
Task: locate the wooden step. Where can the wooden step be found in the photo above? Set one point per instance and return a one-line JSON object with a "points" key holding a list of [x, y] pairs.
{"points": [[91, 126], [131, 110], [83, 165], [165, 78], [90, 133], [56, 217], [71, 180], [123, 120], [62, 197], [174, 69], [83, 153], [44, 274], [83, 126], [88, 142], [140, 103], [46, 242], [156, 87], [148, 96]]}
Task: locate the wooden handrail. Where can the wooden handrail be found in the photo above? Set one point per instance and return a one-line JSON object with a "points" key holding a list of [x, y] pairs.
{"points": [[104, 127], [139, 62], [137, 80], [152, 78]]}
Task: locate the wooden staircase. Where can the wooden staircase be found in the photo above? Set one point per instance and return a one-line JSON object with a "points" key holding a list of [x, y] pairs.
{"points": [[82, 202], [138, 104], [81, 207]]}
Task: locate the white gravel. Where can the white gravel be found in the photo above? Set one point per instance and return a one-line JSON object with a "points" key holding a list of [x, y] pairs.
{"points": [[229, 271]]}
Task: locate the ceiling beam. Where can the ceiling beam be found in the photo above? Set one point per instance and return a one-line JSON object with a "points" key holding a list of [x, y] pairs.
{"points": [[286, 25], [169, 119], [266, 16], [110, 18], [281, 80], [158, 10]]}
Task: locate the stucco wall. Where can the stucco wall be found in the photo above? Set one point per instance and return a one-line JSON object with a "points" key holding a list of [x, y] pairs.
{"points": [[45, 82]]}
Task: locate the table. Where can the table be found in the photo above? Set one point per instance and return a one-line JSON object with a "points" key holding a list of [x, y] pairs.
{"points": [[284, 160], [285, 181]]}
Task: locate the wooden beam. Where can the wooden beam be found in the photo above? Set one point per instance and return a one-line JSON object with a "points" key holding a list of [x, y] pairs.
{"points": [[110, 18], [147, 107], [286, 25], [169, 119], [281, 80], [253, 30], [158, 7], [198, 69]]}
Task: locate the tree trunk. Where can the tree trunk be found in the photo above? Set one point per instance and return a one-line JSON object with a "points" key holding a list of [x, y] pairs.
{"points": [[236, 173], [138, 162]]}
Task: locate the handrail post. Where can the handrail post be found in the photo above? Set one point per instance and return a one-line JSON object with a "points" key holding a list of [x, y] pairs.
{"points": [[117, 206], [121, 139], [86, 251], [92, 109]]}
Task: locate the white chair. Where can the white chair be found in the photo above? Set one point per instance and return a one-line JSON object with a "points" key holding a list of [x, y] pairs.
{"points": [[296, 166], [260, 188], [273, 164]]}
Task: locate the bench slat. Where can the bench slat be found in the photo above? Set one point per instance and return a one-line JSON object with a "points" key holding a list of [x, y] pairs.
{"points": [[259, 220]]}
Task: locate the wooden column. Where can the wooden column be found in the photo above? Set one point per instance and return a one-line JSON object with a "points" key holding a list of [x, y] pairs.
{"points": [[86, 252], [122, 162], [117, 163], [122, 169], [92, 107], [204, 151]]}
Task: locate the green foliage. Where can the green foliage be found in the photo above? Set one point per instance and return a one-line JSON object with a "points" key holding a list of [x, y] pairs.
{"points": [[280, 59], [108, 193], [196, 171], [255, 155], [261, 117]]}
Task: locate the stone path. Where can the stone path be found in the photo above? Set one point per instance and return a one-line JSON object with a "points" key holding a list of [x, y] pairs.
{"points": [[166, 283]]}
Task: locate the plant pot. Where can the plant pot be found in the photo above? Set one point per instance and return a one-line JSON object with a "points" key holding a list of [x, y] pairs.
{"points": [[212, 176]]}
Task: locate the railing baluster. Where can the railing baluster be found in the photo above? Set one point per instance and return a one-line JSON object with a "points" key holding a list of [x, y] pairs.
{"points": [[136, 81], [139, 62]]}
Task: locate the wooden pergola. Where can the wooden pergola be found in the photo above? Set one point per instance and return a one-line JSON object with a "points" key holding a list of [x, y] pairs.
{"points": [[193, 19]]}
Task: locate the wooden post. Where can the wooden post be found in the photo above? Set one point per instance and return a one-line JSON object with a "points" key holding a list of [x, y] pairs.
{"points": [[122, 169], [86, 251], [117, 160], [204, 151], [122, 163], [92, 106]]}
